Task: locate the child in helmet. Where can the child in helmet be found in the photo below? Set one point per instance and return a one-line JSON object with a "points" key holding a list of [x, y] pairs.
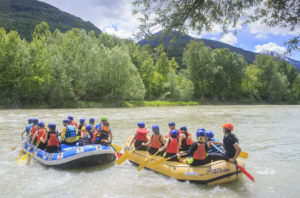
{"points": [[140, 137], [81, 128], [211, 138], [72, 122], [68, 133], [172, 146], [104, 134], [86, 136], [198, 150], [28, 128], [41, 133], [156, 140], [51, 139], [185, 139]]}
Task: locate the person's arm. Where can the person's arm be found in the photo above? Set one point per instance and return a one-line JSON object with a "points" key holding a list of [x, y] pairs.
{"points": [[148, 142], [218, 143], [180, 140], [237, 153], [34, 137], [132, 140], [165, 146], [23, 133], [63, 133], [191, 151], [110, 136]]}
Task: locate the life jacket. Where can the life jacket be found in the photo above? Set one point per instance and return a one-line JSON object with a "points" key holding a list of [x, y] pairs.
{"points": [[174, 129], [71, 131], [101, 129], [186, 140], [34, 129], [141, 134], [73, 123], [81, 129], [155, 142], [173, 146], [52, 139], [41, 133], [200, 153], [212, 149], [94, 135], [28, 127]]}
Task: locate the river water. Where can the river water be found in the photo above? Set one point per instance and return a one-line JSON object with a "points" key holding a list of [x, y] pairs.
{"points": [[270, 134]]}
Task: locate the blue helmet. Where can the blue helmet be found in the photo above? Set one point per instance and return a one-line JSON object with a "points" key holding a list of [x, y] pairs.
{"points": [[88, 127], [200, 133], [92, 120], [174, 133], [172, 123], [35, 121], [66, 121], [30, 120], [41, 124], [52, 126], [155, 128], [70, 117], [203, 129], [209, 134], [183, 128], [141, 124], [82, 120]]}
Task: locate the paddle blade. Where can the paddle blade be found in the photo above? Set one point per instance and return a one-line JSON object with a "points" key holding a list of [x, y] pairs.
{"points": [[142, 165], [23, 158], [244, 155], [118, 154], [14, 148], [246, 173], [123, 158], [117, 147], [158, 162]]}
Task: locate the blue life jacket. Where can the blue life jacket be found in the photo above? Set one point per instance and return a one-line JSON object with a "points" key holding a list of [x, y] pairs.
{"points": [[28, 127], [71, 131], [212, 149]]}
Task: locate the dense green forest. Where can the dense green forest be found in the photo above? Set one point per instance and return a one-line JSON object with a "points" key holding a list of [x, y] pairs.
{"points": [[63, 69]]}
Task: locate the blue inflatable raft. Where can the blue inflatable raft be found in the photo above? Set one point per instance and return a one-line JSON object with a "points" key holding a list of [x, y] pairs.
{"points": [[75, 156]]}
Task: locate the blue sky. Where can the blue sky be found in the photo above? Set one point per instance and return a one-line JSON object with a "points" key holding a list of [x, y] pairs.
{"points": [[114, 17]]}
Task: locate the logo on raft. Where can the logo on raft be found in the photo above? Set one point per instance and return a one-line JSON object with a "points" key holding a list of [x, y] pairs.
{"points": [[190, 173], [216, 171]]}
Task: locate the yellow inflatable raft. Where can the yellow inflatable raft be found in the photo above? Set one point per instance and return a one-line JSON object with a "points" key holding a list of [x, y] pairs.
{"points": [[216, 172]]}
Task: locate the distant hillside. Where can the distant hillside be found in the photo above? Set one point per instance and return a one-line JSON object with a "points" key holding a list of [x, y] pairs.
{"points": [[176, 48], [24, 15]]}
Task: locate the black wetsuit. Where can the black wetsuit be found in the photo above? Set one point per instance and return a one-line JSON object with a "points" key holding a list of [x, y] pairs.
{"points": [[228, 142]]}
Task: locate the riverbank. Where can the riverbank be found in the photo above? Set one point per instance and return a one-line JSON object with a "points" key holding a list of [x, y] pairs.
{"points": [[146, 103]]}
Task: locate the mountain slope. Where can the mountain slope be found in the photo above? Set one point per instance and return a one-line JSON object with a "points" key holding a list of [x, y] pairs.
{"points": [[24, 15]]}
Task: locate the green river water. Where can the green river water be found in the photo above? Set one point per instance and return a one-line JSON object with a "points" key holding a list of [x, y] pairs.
{"points": [[270, 134]]}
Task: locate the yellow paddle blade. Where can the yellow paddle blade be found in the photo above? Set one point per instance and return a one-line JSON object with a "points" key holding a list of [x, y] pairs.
{"points": [[117, 147], [244, 155], [14, 148], [142, 165], [158, 162], [124, 157], [21, 152], [23, 158], [28, 162]]}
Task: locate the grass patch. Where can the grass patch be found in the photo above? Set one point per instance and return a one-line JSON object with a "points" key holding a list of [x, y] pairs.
{"points": [[158, 103]]}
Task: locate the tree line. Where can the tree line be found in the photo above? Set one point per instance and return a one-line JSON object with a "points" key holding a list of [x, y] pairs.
{"points": [[62, 69]]}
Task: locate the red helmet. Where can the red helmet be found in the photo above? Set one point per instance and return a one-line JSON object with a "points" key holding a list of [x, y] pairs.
{"points": [[228, 126]]}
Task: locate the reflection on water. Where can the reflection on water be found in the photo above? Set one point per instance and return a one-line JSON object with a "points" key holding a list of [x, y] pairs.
{"points": [[270, 134]]}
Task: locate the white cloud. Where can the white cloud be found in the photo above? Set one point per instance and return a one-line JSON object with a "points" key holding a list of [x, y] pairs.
{"points": [[229, 38], [270, 47]]}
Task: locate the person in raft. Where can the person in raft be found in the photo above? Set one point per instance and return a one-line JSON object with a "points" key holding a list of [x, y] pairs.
{"points": [[41, 133], [86, 135], [230, 143], [104, 134], [198, 150], [172, 127], [68, 133], [93, 130], [171, 146], [156, 140], [33, 130], [81, 127], [210, 137], [140, 137], [185, 139], [72, 122], [27, 128], [51, 139]]}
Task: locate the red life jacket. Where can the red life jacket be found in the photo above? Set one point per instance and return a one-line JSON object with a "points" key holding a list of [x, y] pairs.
{"points": [[173, 146], [174, 129], [94, 135], [34, 129], [41, 134], [200, 153], [155, 142], [141, 134], [73, 123], [53, 140], [189, 141]]}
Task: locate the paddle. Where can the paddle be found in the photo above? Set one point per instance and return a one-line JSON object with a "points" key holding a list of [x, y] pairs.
{"points": [[118, 154], [243, 155], [117, 147], [14, 148], [160, 161], [125, 156], [142, 165], [28, 162], [241, 168]]}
